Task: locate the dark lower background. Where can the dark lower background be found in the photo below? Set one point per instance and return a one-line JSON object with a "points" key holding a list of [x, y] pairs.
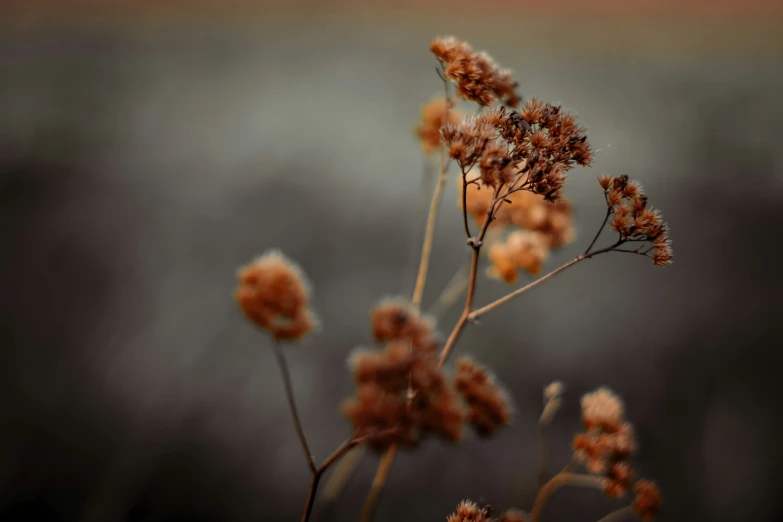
{"points": [[146, 152]]}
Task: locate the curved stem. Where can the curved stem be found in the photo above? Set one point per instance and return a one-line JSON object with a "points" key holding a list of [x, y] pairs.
{"points": [[344, 448], [280, 355], [558, 481], [600, 229], [378, 483], [343, 473]]}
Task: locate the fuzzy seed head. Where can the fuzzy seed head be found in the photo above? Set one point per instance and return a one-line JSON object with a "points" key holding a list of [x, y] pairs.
{"points": [[274, 295], [647, 501], [488, 404]]}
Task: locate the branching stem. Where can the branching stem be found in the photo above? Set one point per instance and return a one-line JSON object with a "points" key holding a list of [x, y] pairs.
{"points": [[555, 483]]}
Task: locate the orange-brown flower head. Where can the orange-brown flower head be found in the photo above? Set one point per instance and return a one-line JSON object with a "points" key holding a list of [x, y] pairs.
{"points": [[619, 479], [468, 511], [274, 295], [603, 409], [648, 500], [402, 387], [522, 209], [488, 404], [523, 250], [634, 220], [396, 319], [476, 75], [435, 115]]}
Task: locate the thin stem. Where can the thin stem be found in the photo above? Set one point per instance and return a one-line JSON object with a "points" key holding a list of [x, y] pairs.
{"points": [[429, 233], [343, 473], [344, 448], [555, 483], [378, 483], [311, 496], [455, 287], [600, 229], [543, 456], [465, 204], [481, 311], [385, 466], [491, 306], [619, 514], [292, 405]]}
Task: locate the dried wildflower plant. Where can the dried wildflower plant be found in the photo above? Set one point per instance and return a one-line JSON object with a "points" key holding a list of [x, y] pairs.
{"points": [[513, 158]]}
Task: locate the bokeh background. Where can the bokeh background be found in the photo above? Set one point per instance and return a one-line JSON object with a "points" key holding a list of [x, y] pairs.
{"points": [[147, 149]]}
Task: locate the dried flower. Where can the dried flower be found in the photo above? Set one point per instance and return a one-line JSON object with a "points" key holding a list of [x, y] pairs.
{"points": [[435, 115], [477, 77], [468, 511], [274, 295], [382, 402], [634, 220], [488, 405], [648, 500], [395, 319], [607, 443], [618, 479], [523, 250], [602, 409]]}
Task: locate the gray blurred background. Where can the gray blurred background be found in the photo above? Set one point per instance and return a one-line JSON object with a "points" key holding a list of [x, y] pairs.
{"points": [[147, 151]]}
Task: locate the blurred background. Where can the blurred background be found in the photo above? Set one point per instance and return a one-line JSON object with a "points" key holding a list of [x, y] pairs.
{"points": [[148, 149]]}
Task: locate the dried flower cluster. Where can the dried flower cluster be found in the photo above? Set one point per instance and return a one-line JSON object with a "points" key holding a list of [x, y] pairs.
{"points": [[513, 168], [604, 449], [647, 501], [386, 413], [544, 225], [435, 115], [529, 150], [274, 294], [488, 404], [608, 442], [633, 219], [402, 392], [607, 445], [468, 511], [397, 320], [476, 75], [522, 250], [524, 210]]}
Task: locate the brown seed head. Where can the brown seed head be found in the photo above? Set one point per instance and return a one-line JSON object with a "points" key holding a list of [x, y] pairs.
{"points": [[488, 404], [468, 511], [619, 479], [648, 500], [524, 249], [475, 74], [274, 295], [435, 115], [634, 219], [602, 409], [395, 319]]}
